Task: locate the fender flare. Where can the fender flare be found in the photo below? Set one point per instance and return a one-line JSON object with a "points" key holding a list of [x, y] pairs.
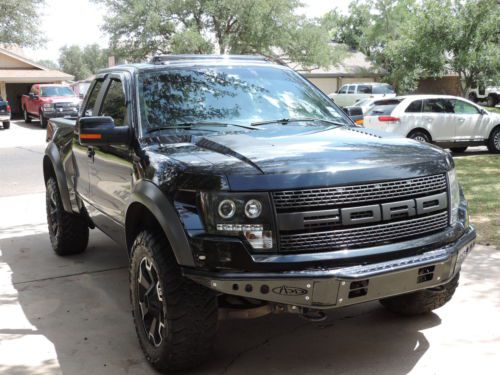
{"points": [[53, 157], [150, 196]]}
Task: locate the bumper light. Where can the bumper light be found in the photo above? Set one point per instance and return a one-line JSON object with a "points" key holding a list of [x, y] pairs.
{"points": [[253, 233]]}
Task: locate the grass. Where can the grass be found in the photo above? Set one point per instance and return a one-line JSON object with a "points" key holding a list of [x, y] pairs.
{"points": [[493, 109], [479, 175]]}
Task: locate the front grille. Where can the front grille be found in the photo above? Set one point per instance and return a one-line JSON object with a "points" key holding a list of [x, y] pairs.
{"points": [[331, 197], [362, 236]]}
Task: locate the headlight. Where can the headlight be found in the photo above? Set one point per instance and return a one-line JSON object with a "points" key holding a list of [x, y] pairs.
{"points": [[454, 189], [245, 215], [48, 107]]}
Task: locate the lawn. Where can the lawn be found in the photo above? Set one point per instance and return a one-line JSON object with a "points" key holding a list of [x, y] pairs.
{"points": [[479, 175], [493, 109]]}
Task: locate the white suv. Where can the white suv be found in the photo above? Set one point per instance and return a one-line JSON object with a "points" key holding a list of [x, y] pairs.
{"points": [[350, 93], [447, 121]]}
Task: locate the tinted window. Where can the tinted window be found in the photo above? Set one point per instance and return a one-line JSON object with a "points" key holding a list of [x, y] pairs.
{"points": [[415, 107], [230, 94], [114, 103], [343, 90], [381, 110], [465, 108], [89, 107], [383, 89], [351, 89], [438, 106], [364, 89]]}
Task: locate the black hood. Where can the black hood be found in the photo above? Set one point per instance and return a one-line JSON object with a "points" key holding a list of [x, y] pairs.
{"points": [[283, 156]]}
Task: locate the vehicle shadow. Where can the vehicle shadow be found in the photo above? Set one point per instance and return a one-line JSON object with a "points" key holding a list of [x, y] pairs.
{"points": [[34, 125], [474, 151], [80, 306]]}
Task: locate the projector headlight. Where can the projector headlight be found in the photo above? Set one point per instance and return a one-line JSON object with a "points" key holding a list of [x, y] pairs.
{"points": [[245, 215], [48, 107], [454, 190]]}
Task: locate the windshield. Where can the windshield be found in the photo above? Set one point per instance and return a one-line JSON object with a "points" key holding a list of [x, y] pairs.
{"points": [[56, 91], [230, 94]]}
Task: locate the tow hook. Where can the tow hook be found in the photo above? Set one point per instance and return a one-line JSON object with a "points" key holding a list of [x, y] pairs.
{"points": [[313, 315]]}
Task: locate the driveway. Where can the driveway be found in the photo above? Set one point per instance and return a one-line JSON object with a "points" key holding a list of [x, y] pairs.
{"points": [[72, 315]]}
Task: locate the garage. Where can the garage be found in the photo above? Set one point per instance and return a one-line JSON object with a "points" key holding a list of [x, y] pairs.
{"points": [[18, 73]]}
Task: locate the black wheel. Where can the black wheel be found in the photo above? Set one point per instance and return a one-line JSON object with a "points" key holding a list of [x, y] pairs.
{"points": [[473, 97], [27, 118], [494, 141], [6, 124], [175, 318], [420, 136], [458, 150], [423, 301], [492, 101], [69, 233], [43, 121]]}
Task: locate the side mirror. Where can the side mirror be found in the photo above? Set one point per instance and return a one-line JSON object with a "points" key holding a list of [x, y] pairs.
{"points": [[33, 96], [483, 111], [96, 131]]}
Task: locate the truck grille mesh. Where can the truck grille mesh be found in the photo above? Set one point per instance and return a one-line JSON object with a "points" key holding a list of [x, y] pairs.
{"points": [[296, 200], [362, 236]]}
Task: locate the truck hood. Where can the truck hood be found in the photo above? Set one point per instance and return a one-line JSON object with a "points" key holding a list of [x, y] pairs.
{"points": [[287, 155]]}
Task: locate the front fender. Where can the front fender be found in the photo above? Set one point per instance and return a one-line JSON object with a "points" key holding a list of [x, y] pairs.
{"points": [[150, 196]]}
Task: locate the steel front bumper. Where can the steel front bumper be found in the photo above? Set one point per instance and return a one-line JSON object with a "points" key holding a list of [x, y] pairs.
{"points": [[4, 117], [330, 288]]}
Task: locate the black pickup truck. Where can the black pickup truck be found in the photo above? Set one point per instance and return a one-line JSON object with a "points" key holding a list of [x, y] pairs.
{"points": [[5, 113], [239, 189]]}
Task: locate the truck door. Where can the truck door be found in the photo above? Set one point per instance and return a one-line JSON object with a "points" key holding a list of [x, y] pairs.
{"points": [[82, 154], [33, 103], [111, 166]]}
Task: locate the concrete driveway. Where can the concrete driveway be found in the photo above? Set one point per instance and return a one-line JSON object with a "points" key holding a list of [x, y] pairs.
{"points": [[72, 315]]}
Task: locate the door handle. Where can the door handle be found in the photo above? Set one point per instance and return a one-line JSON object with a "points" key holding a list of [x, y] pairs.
{"points": [[461, 119]]}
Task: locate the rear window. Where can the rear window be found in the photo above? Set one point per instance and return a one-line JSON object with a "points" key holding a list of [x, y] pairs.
{"points": [[381, 110], [383, 89]]}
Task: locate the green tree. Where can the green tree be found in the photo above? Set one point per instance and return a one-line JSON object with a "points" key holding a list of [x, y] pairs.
{"points": [[82, 62], [48, 64], [141, 28], [19, 20]]}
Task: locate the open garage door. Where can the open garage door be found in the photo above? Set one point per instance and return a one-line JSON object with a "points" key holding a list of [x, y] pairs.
{"points": [[14, 93]]}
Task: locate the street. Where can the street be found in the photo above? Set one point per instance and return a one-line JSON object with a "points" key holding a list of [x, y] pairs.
{"points": [[72, 315]]}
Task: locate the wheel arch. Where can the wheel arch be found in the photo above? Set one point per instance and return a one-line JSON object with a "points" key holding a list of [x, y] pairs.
{"points": [[150, 209], [423, 130], [492, 130], [52, 167]]}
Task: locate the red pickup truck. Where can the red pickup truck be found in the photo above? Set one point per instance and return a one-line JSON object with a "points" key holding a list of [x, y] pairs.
{"points": [[48, 101]]}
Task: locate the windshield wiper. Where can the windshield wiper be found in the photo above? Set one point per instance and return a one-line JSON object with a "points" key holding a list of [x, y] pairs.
{"points": [[189, 125], [285, 121]]}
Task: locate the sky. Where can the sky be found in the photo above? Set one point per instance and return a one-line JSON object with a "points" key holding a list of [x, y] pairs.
{"points": [[66, 22]]}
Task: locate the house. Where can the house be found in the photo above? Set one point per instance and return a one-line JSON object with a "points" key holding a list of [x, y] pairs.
{"points": [[355, 67], [18, 73]]}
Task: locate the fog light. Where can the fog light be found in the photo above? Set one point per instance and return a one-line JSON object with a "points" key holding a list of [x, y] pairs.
{"points": [[260, 239], [227, 209], [253, 209]]}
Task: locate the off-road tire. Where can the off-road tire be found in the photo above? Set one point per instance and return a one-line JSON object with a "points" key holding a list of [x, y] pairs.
{"points": [[69, 233], [494, 141], [458, 150], [27, 118], [43, 121], [492, 101], [422, 301], [419, 135], [189, 310], [6, 124]]}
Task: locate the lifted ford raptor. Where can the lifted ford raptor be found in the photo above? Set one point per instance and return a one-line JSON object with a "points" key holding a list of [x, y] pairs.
{"points": [[238, 188]]}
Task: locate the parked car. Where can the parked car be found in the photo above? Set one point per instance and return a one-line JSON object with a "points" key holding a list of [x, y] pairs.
{"points": [[447, 121], [357, 111], [481, 93], [5, 113], [49, 101], [348, 94], [234, 183]]}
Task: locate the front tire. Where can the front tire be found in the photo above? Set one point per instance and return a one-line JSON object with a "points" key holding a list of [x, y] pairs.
{"points": [[27, 118], [458, 150], [69, 233], [492, 101], [420, 136], [175, 318], [494, 141], [6, 124], [423, 301]]}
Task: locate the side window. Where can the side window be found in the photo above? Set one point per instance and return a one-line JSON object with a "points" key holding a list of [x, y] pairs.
{"points": [[364, 89], [343, 90], [351, 90], [464, 108], [89, 106], [438, 106], [114, 103], [415, 107]]}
